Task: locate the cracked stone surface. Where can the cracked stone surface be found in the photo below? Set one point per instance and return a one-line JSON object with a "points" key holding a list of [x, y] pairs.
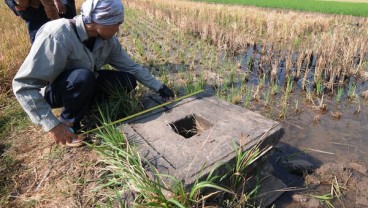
{"points": [[190, 138]]}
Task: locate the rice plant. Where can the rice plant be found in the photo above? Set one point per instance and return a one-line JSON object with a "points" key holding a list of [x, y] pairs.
{"points": [[351, 94], [339, 94], [248, 96]]}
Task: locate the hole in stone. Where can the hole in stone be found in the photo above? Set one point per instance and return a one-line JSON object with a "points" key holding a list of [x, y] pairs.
{"points": [[190, 125]]}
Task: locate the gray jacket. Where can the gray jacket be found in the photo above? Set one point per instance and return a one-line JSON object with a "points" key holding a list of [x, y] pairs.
{"points": [[58, 48]]}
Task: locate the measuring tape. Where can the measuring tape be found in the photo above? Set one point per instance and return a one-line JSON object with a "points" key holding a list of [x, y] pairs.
{"points": [[142, 112]]}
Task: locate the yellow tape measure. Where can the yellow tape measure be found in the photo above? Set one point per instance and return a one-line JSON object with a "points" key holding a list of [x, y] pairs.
{"points": [[142, 112]]}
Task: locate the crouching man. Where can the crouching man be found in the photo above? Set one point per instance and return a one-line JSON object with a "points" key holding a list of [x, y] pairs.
{"points": [[66, 58]]}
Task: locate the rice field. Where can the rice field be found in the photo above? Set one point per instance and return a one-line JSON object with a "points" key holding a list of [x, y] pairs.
{"points": [[308, 71], [248, 57], [340, 7]]}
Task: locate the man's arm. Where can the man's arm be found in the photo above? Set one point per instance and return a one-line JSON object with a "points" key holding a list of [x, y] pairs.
{"points": [[40, 68], [51, 8], [119, 59], [46, 60]]}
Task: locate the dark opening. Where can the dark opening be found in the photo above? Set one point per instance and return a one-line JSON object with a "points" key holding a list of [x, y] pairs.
{"points": [[190, 125]]}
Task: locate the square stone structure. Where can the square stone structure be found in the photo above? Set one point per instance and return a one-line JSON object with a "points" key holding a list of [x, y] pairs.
{"points": [[190, 138]]}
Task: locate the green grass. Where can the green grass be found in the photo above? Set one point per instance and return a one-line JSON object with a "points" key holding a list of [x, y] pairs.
{"points": [[329, 7]]}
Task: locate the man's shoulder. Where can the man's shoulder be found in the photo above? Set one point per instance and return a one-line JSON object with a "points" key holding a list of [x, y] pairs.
{"points": [[58, 26]]}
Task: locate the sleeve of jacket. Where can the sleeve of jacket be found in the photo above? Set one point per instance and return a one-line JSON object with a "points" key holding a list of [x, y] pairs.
{"points": [[40, 68], [119, 59]]}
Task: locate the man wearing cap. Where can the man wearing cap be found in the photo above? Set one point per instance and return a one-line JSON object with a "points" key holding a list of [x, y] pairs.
{"points": [[66, 58]]}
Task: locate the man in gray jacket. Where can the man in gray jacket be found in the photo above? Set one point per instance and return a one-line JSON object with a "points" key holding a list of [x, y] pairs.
{"points": [[66, 58]]}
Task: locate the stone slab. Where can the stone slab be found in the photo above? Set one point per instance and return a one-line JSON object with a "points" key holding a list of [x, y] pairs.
{"points": [[212, 126]]}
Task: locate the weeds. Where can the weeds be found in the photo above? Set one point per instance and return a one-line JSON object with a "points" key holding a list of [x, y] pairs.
{"points": [[336, 192], [118, 102]]}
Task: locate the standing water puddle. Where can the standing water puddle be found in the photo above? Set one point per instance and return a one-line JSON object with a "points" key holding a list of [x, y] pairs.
{"points": [[326, 127], [321, 127]]}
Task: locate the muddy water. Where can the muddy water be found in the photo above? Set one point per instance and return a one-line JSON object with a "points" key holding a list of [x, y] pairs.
{"points": [[321, 133], [331, 139], [341, 141], [337, 133]]}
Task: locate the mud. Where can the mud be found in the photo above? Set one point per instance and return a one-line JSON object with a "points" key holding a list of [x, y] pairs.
{"points": [[347, 181], [352, 177]]}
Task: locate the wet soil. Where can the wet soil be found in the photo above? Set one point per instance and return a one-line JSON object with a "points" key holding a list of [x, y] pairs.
{"points": [[321, 130], [347, 181], [337, 148]]}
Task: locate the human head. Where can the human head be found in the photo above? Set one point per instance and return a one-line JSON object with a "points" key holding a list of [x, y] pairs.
{"points": [[103, 12]]}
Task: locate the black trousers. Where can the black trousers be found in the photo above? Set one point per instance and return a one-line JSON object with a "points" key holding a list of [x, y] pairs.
{"points": [[74, 90]]}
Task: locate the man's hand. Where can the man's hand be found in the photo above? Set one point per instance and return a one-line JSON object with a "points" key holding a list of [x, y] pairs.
{"points": [[60, 6], [61, 133], [166, 93], [20, 8]]}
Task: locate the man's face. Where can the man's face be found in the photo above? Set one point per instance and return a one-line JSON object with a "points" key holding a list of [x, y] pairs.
{"points": [[107, 31]]}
